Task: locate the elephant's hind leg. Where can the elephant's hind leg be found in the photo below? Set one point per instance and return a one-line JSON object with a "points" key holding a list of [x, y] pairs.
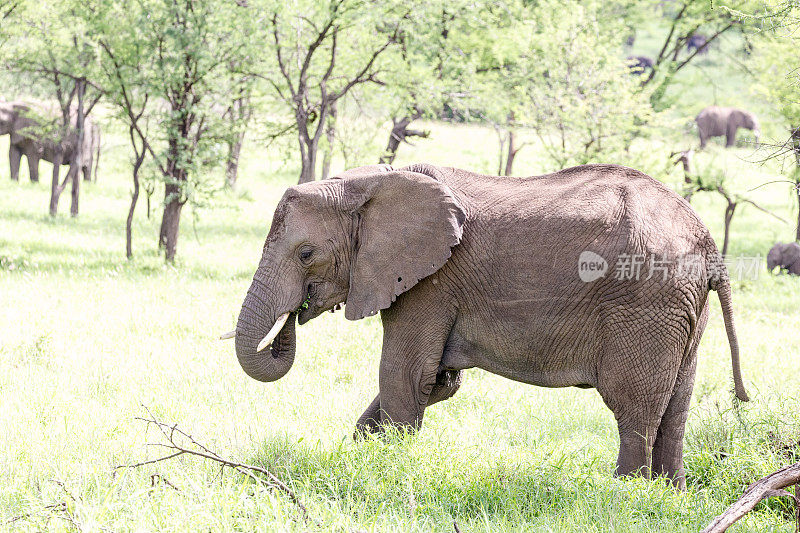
{"points": [[668, 448], [635, 379]]}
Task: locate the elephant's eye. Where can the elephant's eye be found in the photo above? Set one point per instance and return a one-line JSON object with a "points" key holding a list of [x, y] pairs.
{"points": [[305, 254]]}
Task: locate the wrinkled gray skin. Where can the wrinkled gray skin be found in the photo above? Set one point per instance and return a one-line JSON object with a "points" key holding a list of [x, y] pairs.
{"points": [[785, 256], [715, 121], [478, 271], [14, 121]]}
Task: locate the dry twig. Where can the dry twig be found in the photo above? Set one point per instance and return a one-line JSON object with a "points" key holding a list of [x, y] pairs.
{"points": [[174, 435]]}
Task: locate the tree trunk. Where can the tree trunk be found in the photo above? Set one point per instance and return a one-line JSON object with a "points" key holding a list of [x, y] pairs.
{"points": [[232, 167], [400, 133], [396, 136], [309, 144], [137, 164], [797, 231], [170, 221], [180, 149], [796, 148], [55, 188], [308, 157], [330, 137], [728, 217], [239, 113], [77, 156], [148, 192], [502, 138], [512, 153], [129, 221], [76, 191]]}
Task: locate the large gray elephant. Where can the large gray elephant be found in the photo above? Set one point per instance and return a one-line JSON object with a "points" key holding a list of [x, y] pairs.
{"points": [[715, 121], [24, 124], [527, 278], [785, 256]]}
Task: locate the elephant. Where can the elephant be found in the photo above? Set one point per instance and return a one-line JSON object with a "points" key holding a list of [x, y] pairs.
{"points": [[475, 271], [714, 121], [18, 120], [698, 42], [785, 256], [640, 64]]}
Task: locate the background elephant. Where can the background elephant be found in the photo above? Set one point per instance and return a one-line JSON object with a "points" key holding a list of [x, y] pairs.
{"points": [[21, 122], [715, 121], [478, 271], [785, 256], [640, 64], [697, 41]]}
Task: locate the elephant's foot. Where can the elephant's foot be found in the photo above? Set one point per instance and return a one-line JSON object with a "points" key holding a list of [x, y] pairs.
{"points": [[635, 452], [370, 421], [668, 461]]}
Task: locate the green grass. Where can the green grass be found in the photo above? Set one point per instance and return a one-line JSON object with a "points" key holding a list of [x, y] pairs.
{"points": [[87, 338]]}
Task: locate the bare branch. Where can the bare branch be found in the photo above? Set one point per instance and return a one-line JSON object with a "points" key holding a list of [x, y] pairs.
{"points": [[766, 487], [173, 435], [362, 76], [751, 202], [703, 47]]}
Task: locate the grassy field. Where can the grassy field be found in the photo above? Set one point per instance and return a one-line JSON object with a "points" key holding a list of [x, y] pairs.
{"points": [[87, 339]]}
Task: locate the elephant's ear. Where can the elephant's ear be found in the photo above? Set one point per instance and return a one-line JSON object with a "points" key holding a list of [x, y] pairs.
{"points": [[406, 225]]}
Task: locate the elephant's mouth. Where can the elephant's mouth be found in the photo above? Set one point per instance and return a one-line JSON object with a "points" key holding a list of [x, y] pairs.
{"points": [[314, 304]]}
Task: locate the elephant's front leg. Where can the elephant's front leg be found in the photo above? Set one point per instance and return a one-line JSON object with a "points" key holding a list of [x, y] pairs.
{"points": [[370, 421], [447, 383], [415, 330], [14, 157]]}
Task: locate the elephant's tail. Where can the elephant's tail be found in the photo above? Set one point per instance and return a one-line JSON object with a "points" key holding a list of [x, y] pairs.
{"points": [[723, 287]]}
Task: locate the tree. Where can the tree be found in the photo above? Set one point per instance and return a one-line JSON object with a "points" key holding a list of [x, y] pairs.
{"points": [[563, 78], [685, 19], [238, 113], [322, 51], [168, 63], [53, 45], [707, 179], [420, 78], [778, 81]]}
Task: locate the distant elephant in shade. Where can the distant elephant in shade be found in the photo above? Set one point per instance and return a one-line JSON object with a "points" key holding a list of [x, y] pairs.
{"points": [[715, 121], [639, 64], [24, 122], [698, 42], [784, 256]]}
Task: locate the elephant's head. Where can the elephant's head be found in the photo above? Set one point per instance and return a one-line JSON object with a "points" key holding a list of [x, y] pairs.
{"points": [[783, 256], [362, 239], [8, 115], [749, 121]]}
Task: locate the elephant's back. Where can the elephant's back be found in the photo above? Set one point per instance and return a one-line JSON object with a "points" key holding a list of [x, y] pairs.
{"points": [[615, 208]]}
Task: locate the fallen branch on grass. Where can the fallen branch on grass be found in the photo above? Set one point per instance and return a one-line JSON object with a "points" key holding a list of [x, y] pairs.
{"points": [[772, 485], [60, 510], [173, 436]]}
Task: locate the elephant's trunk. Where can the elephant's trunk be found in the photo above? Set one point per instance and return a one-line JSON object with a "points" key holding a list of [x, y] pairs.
{"points": [[255, 320]]}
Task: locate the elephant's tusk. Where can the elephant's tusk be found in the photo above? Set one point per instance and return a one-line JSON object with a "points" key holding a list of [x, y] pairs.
{"points": [[228, 335], [266, 341]]}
